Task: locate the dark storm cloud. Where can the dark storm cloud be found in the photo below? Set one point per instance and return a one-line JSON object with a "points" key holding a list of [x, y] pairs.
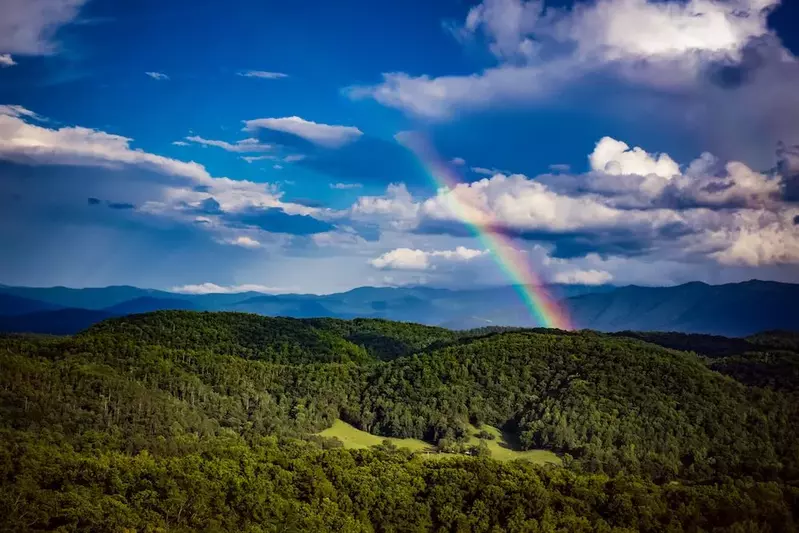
{"points": [[731, 76], [275, 220], [616, 241], [788, 167]]}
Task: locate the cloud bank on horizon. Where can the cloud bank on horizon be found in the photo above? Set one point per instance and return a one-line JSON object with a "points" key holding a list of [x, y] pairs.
{"points": [[613, 141]]}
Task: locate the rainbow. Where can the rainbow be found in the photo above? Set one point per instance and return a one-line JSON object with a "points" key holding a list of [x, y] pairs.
{"points": [[544, 309]]}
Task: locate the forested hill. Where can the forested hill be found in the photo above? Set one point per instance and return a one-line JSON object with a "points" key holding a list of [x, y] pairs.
{"points": [[186, 421], [278, 339]]}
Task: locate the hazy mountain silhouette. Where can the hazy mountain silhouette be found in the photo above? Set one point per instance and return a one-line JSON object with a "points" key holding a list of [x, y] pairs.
{"points": [[736, 309]]}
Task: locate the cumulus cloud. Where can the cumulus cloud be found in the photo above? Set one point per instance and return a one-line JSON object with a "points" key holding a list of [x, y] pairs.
{"points": [[635, 29], [410, 259], [702, 66], [157, 76], [582, 277], [263, 74], [28, 27], [241, 146], [617, 158], [212, 288], [631, 203], [635, 178], [518, 202], [757, 238], [321, 134], [397, 207], [6, 61]]}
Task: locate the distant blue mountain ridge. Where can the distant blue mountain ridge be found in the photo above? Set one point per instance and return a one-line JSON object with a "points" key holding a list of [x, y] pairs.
{"points": [[736, 309]]}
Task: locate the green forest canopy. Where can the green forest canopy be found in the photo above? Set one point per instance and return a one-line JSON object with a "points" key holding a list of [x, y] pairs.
{"points": [[190, 421]]}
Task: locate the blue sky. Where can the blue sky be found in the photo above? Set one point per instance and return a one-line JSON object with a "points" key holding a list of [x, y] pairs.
{"points": [[263, 144]]}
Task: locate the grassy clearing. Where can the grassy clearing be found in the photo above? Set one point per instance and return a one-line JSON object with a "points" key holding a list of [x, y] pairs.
{"points": [[354, 438], [503, 447]]}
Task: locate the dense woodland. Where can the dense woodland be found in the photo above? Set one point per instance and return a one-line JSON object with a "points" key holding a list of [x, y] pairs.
{"points": [[186, 421]]}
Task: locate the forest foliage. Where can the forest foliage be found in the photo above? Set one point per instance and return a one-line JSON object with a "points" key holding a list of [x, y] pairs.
{"points": [[185, 421]]}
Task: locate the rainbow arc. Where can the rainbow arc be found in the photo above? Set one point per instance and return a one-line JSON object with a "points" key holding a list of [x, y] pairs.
{"points": [[543, 308]]}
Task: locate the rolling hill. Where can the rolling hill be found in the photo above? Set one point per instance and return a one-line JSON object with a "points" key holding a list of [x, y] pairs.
{"points": [[184, 420]]}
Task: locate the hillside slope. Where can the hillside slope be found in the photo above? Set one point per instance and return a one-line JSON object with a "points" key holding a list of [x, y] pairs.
{"points": [[186, 420]]}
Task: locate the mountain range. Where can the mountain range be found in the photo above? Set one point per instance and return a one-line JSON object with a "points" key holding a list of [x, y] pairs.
{"points": [[737, 309]]}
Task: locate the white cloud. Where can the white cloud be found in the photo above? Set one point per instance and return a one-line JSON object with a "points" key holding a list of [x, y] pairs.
{"points": [[212, 288], [661, 46], [6, 61], [277, 167], [291, 158], [189, 189], [410, 259], [617, 158], [635, 29], [443, 96], [241, 146], [322, 134], [244, 242], [460, 253], [263, 74], [632, 204], [402, 259], [458, 161], [18, 111], [26, 143], [251, 158], [180, 143], [27, 27], [757, 238], [582, 277], [518, 202], [157, 76], [637, 178], [506, 23], [345, 186], [487, 171], [397, 208], [344, 237], [484, 171]]}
